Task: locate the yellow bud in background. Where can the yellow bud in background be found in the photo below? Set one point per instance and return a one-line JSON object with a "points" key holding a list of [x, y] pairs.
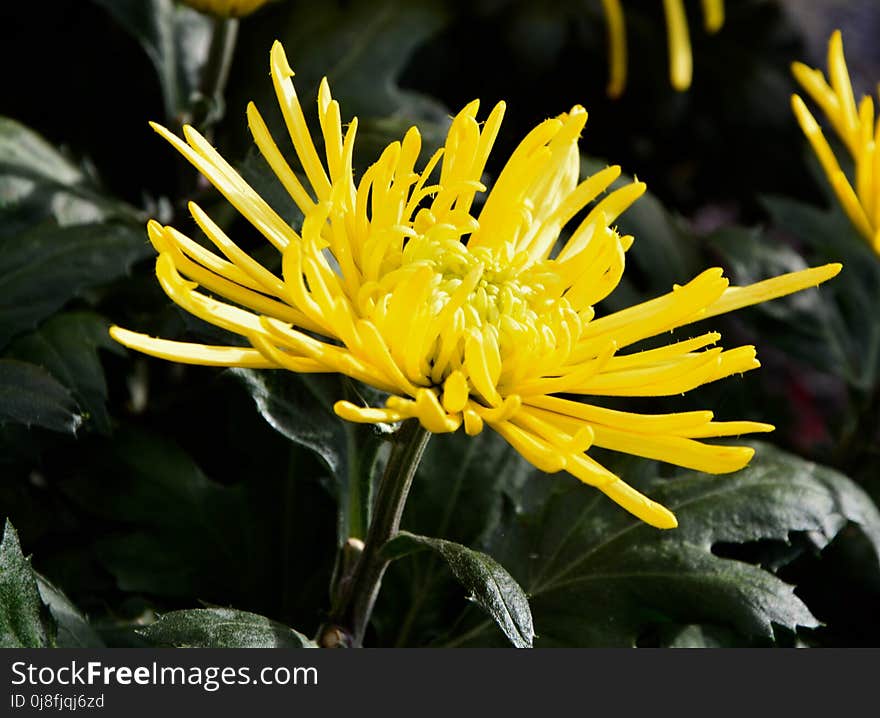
{"points": [[226, 8]]}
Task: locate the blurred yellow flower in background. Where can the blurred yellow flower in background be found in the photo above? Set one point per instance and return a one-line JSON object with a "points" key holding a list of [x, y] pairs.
{"points": [[226, 8], [680, 56], [464, 317], [856, 128]]}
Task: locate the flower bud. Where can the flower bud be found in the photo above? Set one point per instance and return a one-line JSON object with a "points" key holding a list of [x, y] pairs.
{"points": [[226, 8]]}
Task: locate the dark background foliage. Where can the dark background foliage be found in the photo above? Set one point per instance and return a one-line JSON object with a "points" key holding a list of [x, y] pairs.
{"points": [[142, 487]]}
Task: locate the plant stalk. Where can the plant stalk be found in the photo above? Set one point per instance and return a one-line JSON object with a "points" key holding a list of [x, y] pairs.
{"points": [[208, 107], [205, 105], [352, 608]]}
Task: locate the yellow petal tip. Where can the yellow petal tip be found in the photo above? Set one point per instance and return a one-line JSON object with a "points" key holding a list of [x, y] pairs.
{"points": [[664, 519], [279, 60], [833, 269]]}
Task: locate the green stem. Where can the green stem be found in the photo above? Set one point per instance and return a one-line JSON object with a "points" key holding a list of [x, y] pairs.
{"points": [[208, 106], [353, 606], [205, 105]]}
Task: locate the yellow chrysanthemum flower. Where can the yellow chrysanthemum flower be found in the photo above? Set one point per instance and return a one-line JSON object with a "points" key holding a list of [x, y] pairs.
{"points": [[464, 318], [856, 128], [680, 57], [226, 8]]}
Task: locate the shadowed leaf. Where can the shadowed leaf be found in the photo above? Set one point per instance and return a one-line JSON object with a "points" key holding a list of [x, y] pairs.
{"points": [[24, 620], [67, 346], [490, 586], [222, 628], [31, 396]]}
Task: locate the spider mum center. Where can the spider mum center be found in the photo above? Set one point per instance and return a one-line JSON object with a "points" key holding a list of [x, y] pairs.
{"points": [[511, 304], [494, 288]]}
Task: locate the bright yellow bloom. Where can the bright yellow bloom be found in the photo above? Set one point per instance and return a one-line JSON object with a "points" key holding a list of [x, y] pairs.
{"points": [[464, 317], [680, 57], [226, 8], [857, 130]]}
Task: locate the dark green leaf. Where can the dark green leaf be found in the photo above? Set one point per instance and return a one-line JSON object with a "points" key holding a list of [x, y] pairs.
{"points": [[222, 628], [751, 256], [42, 269], [300, 408], [838, 333], [24, 620], [624, 577], [37, 183], [175, 39], [263, 541], [810, 325], [491, 587], [828, 231], [362, 48], [74, 630], [30, 396], [699, 637], [457, 494], [24, 150], [67, 347], [597, 577], [174, 542], [664, 252]]}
